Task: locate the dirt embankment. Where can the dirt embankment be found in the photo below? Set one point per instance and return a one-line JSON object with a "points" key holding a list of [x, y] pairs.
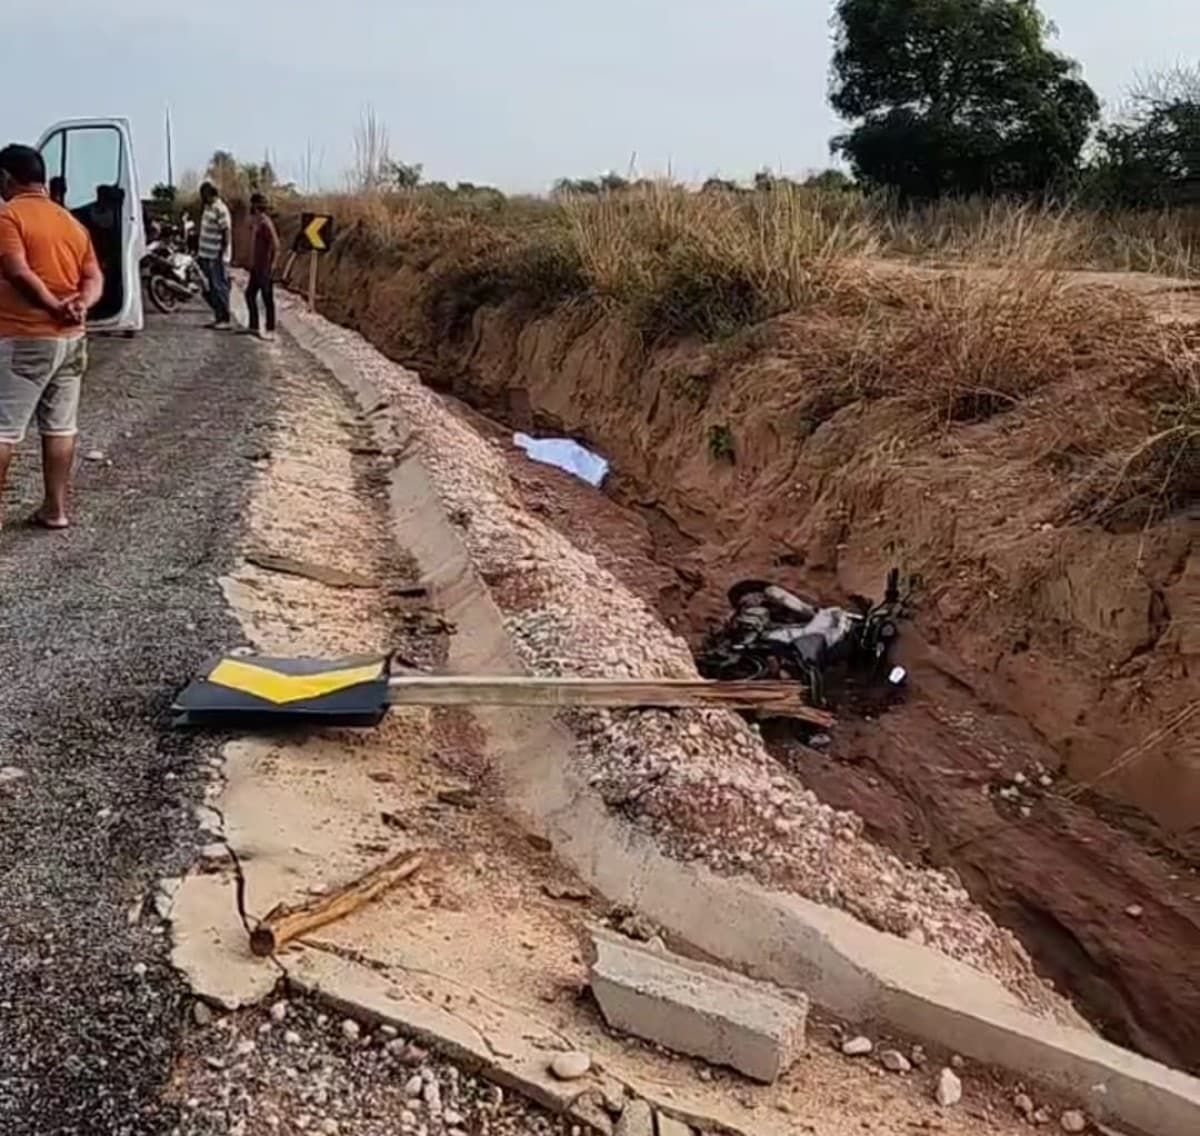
{"points": [[1039, 638]]}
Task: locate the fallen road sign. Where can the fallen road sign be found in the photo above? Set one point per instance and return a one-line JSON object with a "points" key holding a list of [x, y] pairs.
{"points": [[250, 690]]}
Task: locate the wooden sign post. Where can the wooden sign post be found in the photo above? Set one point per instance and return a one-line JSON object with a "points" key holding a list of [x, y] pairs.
{"points": [[315, 238], [312, 281]]}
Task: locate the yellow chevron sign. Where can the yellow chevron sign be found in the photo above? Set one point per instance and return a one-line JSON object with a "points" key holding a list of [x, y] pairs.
{"points": [[316, 232], [274, 686]]}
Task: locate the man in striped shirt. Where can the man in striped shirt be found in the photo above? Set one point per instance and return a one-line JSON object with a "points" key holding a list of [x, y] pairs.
{"points": [[216, 252]]}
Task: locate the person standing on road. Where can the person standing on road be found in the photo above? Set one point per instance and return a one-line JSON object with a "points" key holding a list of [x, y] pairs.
{"points": [[49, 278], [216, 253], [265, 249]]}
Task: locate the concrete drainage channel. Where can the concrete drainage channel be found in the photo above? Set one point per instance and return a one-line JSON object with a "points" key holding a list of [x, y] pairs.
{"points": [[845, 967]]}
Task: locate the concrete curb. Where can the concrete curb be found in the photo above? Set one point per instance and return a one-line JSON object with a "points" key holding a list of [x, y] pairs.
{"points": [[845, 966]]}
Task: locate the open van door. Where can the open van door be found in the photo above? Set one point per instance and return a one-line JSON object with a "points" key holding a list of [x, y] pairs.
{"points": [[93, 157]]}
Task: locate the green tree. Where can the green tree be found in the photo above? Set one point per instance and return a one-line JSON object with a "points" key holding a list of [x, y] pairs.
{"points": [[957, 97], [831, 180], [405, 175], [163, 193], [720, 185], [1151, 159], [586, 187]]}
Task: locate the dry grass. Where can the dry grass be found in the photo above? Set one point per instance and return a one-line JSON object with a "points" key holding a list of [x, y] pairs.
{"points": [[1011, 234], [711, 263], [1158, 472], [997, 331]]}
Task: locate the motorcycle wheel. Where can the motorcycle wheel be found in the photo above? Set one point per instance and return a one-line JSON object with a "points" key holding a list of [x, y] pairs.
{"points": [[740, 667], [161, 295]]}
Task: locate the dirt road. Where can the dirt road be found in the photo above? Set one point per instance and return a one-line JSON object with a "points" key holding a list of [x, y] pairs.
{"points": [[97, 628], [99, 1036]]}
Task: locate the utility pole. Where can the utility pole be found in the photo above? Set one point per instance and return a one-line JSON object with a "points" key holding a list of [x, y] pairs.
{"points": [[170, 152]]}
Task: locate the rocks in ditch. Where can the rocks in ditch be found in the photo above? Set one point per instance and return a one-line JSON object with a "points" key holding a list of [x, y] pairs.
{"points": [[894, 1061], [351, 1030], [857, 1046], [949, 1089], [1073, 1121]]}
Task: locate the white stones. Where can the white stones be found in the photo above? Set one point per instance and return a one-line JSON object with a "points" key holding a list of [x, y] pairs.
{"points": [[279, 1012], [1135, 911], [949, 1089], [139, 970], [857, 1046], [202, 1014], [413, 1086], [570, 1066], [351, 1030], [245, 1047], [894, 1061], [291, 1038], [9, 773], [1023, 1103], [330, 1127], [1073, 1121]]}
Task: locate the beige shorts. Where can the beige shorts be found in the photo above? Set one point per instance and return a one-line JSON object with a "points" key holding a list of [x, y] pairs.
{"points": [[41, 378]]}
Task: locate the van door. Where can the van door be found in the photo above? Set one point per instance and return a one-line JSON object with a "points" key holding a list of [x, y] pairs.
{"points": [[93, 160]]}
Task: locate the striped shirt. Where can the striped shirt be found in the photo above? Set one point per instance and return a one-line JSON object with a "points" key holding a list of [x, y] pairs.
{"points": [[216, 225]]}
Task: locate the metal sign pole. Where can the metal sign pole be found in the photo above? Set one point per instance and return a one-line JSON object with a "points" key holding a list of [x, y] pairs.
{"points": [[312, 281]]}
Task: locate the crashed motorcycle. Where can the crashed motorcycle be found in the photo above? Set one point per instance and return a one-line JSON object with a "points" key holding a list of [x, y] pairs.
{"points": [[171, 277], [774, 633]]}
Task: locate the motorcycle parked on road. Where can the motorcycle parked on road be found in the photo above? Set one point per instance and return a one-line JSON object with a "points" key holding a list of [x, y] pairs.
{"points": [[170, 275]]}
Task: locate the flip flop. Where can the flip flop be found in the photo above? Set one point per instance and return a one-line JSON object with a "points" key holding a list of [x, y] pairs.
{"points": [[38, 521]]}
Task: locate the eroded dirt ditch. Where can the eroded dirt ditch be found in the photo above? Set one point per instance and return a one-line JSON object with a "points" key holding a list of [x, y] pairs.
{"points": [[1104, 899], [1044, 646]]}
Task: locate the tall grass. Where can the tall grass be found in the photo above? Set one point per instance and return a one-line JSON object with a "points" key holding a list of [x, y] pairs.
{"points": [[874, 312]]}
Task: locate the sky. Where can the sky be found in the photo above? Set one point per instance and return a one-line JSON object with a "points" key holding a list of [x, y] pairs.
{"points": [[514, 93]]}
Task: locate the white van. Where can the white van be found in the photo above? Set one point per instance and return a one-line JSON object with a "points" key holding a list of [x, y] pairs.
{"points": [[94, 159]]}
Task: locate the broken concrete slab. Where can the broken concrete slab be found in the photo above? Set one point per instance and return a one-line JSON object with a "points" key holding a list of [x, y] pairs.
{"points": [[637, 1119], [695, 1008], [669, 1126]]}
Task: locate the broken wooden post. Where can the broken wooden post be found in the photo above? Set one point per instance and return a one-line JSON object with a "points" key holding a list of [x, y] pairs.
{"points": [[780, 697], [282, 924]]}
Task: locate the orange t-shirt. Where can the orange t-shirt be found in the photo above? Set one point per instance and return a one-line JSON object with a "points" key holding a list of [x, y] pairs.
{"points": [[56, 248]]}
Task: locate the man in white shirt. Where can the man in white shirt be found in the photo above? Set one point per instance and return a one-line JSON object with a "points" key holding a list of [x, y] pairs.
{"points": [[216, 252]]}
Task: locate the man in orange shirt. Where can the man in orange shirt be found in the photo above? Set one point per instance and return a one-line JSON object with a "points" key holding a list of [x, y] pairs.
{"points": [[49, 278]]}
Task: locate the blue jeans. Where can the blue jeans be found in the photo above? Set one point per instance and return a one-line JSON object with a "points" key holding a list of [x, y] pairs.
{"points": [[217, 274]]}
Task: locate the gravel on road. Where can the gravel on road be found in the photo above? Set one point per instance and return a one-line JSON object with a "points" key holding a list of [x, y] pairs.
{"points": [[98, 628]]}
